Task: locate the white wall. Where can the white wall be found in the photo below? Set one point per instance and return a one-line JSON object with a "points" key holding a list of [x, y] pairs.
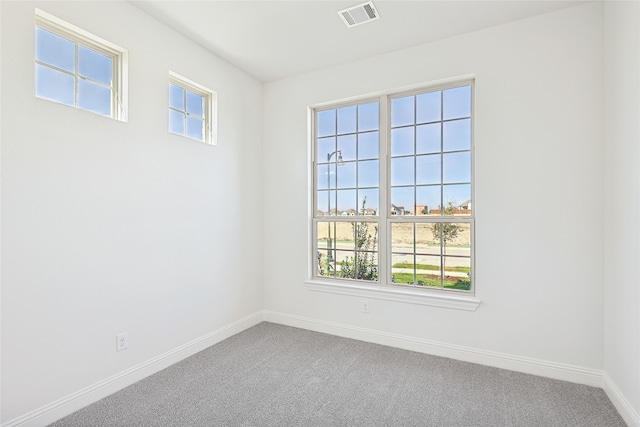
{"points": [[539, 189], [622, 201], [110, 227]]}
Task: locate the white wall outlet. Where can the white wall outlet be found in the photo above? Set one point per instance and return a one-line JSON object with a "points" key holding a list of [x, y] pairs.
{"points": [[122, 341], [365, 306]]}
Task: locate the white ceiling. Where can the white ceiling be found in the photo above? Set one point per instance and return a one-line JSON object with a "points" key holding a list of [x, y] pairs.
{"points": [[276, 39]]}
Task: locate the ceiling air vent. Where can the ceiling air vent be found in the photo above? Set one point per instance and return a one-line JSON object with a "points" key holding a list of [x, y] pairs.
{"points": [[360, 14]]}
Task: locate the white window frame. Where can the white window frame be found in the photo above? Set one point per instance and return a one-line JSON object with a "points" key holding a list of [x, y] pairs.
{"points": [[80, 37], [384, 288], [210, 115]]}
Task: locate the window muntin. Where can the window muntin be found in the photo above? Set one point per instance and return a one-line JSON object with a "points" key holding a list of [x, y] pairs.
{"points": [[78, 69], [191, 109], [426, 177], [347, 186], [431, 188]]}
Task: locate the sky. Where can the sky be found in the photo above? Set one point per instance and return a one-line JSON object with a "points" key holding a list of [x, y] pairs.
{"points": [[430, 152], [94, 89]]}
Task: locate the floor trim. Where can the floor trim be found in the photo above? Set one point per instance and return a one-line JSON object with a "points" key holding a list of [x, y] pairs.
{"points": [[560, 371], [78, 400], [630, 416]]}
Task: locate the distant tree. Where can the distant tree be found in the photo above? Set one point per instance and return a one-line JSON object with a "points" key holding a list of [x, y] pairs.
{"points": [[446, 232], [425, 210]]}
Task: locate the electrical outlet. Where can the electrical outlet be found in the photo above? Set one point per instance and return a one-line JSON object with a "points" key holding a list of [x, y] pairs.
{"points": [[365, 306], [122, 341]]}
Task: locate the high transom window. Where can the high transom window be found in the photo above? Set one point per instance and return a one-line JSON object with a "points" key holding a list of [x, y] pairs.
{"points": [[191, 109], [76, 68], [394, 190]]}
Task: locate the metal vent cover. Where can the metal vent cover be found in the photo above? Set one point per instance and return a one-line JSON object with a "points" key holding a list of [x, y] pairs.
{"points": [[359, 14]]}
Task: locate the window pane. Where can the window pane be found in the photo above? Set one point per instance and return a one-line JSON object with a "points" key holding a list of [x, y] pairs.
{"points": [[456, 167], [326, 148], [457, 196], [327, 175], [402, 111], [459, 242], [55, 85], [369, 197], [457, 273], [402, 269], [55, 50], [346, 175], [428, 169], [94, 65], [368, 145], [402, 141], [195, 128], [457, 135], [429, 200], [457, 102], [347, 146], [428, 271], [176, 97], [176, 122], [347, 202], [401, 200], [427, 239], [326, 263], [402, 171], [94, 97], [347, 119], [326, 202], [402, 238], [428, 138], [428, 107], [326, 123], [195, 104], [363, 263], [368, 116], [368, 173]]}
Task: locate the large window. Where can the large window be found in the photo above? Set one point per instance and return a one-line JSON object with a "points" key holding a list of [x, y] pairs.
{"points": [[76, 68], [394, 190]]}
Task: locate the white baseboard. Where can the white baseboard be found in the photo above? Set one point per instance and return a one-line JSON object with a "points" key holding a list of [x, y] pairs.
{"points": [[630, 416], [527, 365], [78, 400]]}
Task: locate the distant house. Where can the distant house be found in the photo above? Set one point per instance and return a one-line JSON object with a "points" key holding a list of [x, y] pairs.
{"points": [[369, 212], [321, 213], [349, 212], [466, 205], [421, 209], [397, 210]]}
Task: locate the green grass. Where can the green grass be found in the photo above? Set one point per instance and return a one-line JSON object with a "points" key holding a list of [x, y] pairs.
{"points": [[461, 269], [432, 281]]}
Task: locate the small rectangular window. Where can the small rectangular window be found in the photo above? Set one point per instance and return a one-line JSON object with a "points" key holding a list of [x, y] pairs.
{"points": [[192, 109], [76, 68]]}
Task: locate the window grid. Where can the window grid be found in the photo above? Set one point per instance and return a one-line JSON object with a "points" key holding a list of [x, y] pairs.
{"points": [[450, 253], [205, 116], [342, 255], [82, 39], [443, 225]]}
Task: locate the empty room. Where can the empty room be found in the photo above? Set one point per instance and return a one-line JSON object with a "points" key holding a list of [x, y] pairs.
{"points": [[319, 213]]}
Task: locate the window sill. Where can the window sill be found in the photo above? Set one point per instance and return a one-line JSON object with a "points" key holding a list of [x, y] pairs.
{"points": [[398, 294]]}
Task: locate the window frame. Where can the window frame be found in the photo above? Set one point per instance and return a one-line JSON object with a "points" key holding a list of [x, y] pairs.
{"points": [[210, 113], [80, 37], [384, 288]]}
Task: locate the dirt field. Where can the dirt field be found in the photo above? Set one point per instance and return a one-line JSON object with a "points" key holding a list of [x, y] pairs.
{"points": [[401, 233]]}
